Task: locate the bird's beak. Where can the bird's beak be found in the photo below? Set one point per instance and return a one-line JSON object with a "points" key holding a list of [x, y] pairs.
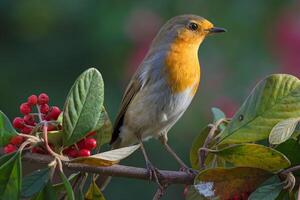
{"points": [[217, 30]]}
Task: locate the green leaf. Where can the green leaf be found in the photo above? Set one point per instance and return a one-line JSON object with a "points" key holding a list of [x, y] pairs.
{"points": [[104, 129], [10, 177], [290, 149], [35, 182], [254, 155], [60, 186], [223, 183], [274, 99], [282, 131], [218, 114], [269, 190], [48, 193], [197, 144], [83, 106], [94, 193], [68, 186], [6, 130]]}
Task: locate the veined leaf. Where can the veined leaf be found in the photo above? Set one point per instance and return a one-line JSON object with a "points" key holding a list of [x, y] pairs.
{"points": [[269, 190], [35, 182], [68, 187], [282, 131], [274, 99], [107, 158], [6, 130], [224, 183], [197, 144], [10, 176], [254, 155], [94, 193], [48, 193], [83, 106]]}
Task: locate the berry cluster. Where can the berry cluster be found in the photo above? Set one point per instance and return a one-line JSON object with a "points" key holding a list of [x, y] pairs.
{"points": [[35, 120], [31, 119], [82, 148]]}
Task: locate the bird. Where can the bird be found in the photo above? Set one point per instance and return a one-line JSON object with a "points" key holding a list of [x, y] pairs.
{"points": [[163, 86]]}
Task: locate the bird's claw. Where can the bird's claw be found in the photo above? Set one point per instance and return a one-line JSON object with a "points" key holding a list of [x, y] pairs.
{"points": [[153, 173]]}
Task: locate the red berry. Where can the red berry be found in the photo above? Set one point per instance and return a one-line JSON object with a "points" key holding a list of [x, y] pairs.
{"points": [[81, 144], [54, 112], [32, 100], [9, 148], [84, 153], [17, 140], [90, 143], [90, 134], [43, 99], [26, 130], [18, 122], [72, 153], [29, 120], [25, 108], [44, 108]]}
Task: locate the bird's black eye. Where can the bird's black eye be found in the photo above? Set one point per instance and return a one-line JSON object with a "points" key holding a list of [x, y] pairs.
{"points": [[193, 26]]}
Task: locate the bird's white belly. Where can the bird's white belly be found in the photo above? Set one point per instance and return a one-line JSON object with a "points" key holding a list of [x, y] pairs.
{"points": [[152, 113]]}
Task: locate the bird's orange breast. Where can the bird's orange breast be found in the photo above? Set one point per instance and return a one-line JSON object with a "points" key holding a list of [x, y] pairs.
{"points": [[182, 67]]}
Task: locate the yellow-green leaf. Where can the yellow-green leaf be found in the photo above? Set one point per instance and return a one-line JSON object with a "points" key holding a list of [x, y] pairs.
{"points": [[94, 193], [274, 99], [282, 131], [107, 158], [254, 155], [223, 184]]}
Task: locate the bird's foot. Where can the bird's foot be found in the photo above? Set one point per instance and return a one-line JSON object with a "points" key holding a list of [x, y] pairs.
{"points": [[153, 173], [188, 170]]}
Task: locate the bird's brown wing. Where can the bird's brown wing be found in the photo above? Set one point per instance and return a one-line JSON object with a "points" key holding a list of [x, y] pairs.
{"points": [[132, 89]]}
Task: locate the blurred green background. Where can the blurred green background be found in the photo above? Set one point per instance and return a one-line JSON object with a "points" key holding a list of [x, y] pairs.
{"points": [[45, 45]]}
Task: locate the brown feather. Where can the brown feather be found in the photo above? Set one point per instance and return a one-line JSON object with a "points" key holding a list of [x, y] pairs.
{"points": [[132, 89]]}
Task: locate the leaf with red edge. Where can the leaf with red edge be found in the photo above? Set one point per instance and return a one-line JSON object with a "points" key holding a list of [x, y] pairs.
{"points": [[224, 183]]}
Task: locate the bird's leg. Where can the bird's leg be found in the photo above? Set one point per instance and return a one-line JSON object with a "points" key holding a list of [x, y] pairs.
{"points": [[164, 140], [153, 171]]}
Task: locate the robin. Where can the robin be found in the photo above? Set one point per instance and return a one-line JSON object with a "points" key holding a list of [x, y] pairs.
{"points": [[163, 86]]}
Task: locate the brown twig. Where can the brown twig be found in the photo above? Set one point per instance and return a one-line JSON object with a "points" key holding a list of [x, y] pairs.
{"points": [[170, 177], [160, 192]]}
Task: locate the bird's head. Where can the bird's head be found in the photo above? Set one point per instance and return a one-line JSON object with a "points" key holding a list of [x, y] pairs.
{"points": [[188, 29]]}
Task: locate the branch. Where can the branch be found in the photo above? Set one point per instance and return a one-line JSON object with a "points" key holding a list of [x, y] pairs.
{"points": [[170, 177]]}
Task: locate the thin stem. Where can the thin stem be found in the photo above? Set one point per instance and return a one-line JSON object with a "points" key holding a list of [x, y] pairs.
{"points": [[170, 177], [39, 113]]}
